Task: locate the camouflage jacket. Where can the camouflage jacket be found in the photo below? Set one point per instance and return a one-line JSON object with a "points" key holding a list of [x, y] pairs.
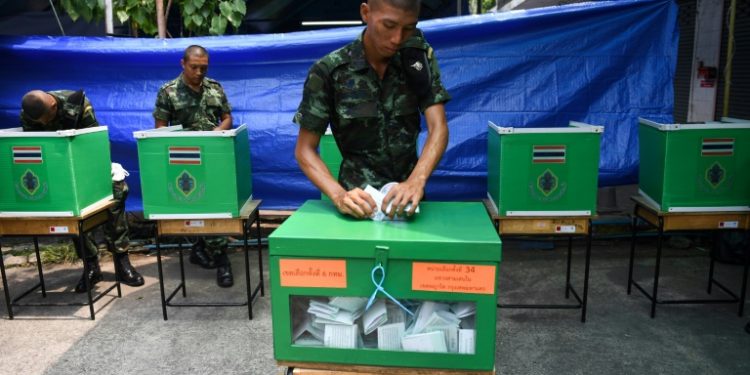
{"points": [[178, 104], [375, 122], [66, 112]]}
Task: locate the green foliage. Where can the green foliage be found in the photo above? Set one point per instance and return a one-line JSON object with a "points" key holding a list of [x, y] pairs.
{"points": [[59, 253], [487, 5], [211, 17], [200, 17]]}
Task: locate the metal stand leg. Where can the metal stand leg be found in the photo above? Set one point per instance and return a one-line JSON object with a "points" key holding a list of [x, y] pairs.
{"points": [[567, 272], [743, 293], [161, 278], [81, 243], [5, 287], [260, 255], [659, 240], [586, 276], [710, 275], [248, 286], [182, 271], [39, 267], [634, 229]]}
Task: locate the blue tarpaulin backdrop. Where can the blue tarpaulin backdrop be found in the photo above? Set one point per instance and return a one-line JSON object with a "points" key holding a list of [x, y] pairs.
{"points": [[604, 63]]}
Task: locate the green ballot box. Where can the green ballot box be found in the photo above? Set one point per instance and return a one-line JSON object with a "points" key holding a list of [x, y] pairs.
{"points": [[695, 167], [194, 174], [329, 152], [419, 293], [543, 171], [54, 174]]}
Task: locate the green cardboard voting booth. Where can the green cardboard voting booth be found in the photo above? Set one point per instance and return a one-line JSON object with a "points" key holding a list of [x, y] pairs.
{"points": [[441, 266], [543, 171], [695, 167], [54, 174], [194, 174]]}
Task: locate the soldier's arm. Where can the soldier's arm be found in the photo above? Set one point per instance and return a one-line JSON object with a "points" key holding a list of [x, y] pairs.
{"points": [[313, 116], [162, 109], [226, 122], [412, 190], [432, 104], [226, 112], [88, 118], [355, 203]]}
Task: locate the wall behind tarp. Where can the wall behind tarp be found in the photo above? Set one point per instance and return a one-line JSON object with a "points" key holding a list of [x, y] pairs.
{"points": [[605, 63]]}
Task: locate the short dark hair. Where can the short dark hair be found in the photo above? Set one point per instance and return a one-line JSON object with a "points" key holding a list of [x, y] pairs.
{"points": [[33, 105], [194, 50], [407, 5]]}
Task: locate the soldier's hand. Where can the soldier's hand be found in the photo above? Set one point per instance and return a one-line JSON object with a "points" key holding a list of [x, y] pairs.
{"points": [[407, 192], [355, 203]]}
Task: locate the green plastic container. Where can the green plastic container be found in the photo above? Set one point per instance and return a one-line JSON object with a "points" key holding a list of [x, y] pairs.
{"points": [[54, 174], [331, 155], [458, 236], [695, 167], [194, 174], [543, 171]]}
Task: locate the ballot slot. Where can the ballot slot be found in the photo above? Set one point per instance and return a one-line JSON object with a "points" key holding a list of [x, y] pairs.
{"points": [[403, 325]]}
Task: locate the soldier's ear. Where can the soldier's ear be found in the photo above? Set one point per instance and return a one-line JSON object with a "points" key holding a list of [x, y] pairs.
{"points": [[364, 12], [182, 63]]}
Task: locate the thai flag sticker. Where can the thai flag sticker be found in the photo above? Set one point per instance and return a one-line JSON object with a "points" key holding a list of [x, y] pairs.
{"points": [[27, 155], [717, 147], [185, 155], [549, 154]]}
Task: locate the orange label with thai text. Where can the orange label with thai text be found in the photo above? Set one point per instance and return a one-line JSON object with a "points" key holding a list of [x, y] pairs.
{"points": [[454, 278], [313, 273]]}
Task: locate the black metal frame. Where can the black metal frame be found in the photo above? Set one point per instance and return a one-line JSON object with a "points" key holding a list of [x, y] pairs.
{"points": [[653, 296], [91, 299], [251, 296], [582, 302]]}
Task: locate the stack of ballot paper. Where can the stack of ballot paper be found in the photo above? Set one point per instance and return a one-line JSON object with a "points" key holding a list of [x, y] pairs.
{"points": [[342, 322]]}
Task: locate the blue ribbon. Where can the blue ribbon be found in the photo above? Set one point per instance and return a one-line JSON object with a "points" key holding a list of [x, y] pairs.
{"points": [[379, 288]]}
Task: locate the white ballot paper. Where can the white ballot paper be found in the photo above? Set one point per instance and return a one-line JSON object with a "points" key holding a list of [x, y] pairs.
{"points": [[348, 303], [341, 336], [432, 342], [466, 341], [378, 196], [307, 326], [424, 313], [464, 309], [389, 336], [376, 316]]}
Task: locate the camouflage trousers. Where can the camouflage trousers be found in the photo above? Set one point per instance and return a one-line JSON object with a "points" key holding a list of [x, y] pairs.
{"points": [[215, 245], [116, 230]]}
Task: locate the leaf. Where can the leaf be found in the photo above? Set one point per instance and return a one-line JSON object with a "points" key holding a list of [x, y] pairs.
{"points": [[240, 6], [226, 9], [189, 8], [235, 19], [197, 20], [199, 3], [122, 16], [70, 8], [218, 25]]}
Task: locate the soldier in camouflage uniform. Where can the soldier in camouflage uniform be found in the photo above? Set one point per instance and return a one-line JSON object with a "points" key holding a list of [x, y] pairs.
{"points": [[65, 109], [371, 92], [198, 103]]}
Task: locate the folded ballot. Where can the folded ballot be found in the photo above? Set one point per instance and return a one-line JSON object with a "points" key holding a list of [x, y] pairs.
{"points": [[378, 196]]}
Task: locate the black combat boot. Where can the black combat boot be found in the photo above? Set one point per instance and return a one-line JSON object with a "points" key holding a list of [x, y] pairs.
{"points": [[224, 276], [199, 256], [125, 271], [94, 274]]}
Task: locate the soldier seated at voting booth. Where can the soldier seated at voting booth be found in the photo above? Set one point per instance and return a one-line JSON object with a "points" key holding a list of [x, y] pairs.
{"points": [[198, 103], [66, 109]]}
